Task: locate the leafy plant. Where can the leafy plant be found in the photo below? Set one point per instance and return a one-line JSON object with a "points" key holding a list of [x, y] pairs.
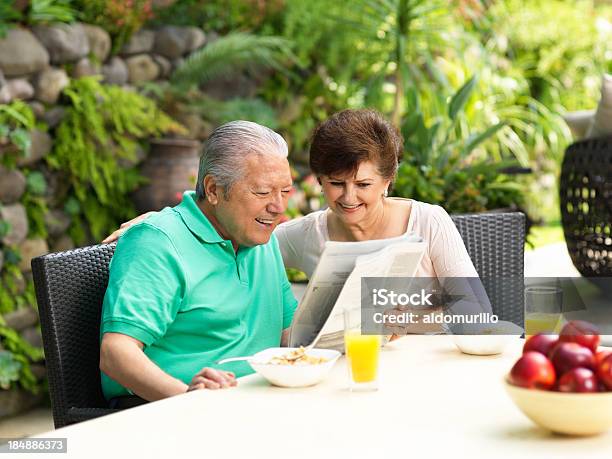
{"points": [[23, 353], [396, 40], [16, 292], [11, 283], [8, 16], [35, 204], [562, 64], [221, 16], [5, 228], [49, 11], [16, 120], [102, 125], [443, 165], [232, 53], [9, 369], [37, 12]]}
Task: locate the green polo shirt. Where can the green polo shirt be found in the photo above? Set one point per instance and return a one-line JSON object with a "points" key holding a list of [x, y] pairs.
{"points": [[179, 288]]}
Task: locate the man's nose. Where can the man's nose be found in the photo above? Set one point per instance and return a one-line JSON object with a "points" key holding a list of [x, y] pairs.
{"points": [[277, 204]]}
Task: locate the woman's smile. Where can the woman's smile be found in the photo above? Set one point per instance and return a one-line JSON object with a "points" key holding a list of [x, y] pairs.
{"points": [[350, 208]]}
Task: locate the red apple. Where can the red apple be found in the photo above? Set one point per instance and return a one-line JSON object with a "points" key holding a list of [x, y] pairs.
{"points": [[540, 343], [604, 372], [601, 355], [584, 333], [578, 380], [533, 370], [567, 356]]}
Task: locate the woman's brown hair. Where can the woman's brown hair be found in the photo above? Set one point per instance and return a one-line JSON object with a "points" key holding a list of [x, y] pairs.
{"points": [[348, 138]]}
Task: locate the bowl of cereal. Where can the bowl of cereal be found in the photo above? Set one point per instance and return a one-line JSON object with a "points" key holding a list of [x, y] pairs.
{"points": [[294, 367]]}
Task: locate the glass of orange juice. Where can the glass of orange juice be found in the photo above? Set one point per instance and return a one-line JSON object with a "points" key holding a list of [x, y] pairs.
{"points": [[362, 353], [543, 306]]}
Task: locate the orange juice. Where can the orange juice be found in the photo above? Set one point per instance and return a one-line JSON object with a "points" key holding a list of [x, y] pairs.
{"points": [[362, 352], [540, 322]]}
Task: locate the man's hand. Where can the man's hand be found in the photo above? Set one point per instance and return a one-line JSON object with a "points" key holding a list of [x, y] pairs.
{"points": [[209, 378]]}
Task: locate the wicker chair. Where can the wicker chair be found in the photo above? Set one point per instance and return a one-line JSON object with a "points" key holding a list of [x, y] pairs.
{"points": [[585, 195], [496, 245], [70, 288]]}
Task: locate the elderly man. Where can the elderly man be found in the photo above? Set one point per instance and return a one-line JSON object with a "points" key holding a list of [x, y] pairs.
{"points": [[203, 280]]}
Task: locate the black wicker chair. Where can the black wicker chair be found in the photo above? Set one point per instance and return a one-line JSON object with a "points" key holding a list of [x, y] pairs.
{"points": [[70, 288], [585, 196], [496, 245]]}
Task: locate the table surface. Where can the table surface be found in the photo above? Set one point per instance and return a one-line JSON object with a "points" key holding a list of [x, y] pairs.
{"points": [[432, 401]]}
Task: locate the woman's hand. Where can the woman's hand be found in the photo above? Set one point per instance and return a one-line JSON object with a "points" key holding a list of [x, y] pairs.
{"points": [[124, 226], [209, 378]]}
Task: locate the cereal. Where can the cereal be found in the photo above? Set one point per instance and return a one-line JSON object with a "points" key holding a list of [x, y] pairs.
{"points": [[297, 357]]}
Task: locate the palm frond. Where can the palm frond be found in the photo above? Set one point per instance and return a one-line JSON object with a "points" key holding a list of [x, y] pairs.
{"points": [[233, 53]]}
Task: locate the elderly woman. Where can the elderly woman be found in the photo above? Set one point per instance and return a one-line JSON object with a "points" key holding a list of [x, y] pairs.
{"points": [[355, 156]]}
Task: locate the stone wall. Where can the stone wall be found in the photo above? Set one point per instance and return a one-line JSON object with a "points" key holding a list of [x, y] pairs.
{"points": [[35, 66]]}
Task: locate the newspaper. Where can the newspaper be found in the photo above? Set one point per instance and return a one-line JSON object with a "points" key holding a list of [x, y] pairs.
{"points": [[336, 284]]}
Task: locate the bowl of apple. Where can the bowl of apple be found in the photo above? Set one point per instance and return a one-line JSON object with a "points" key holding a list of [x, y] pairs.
{"points": [[564, 383]]}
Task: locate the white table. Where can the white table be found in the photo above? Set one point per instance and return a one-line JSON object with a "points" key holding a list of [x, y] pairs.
{"points": [[433, 402]]}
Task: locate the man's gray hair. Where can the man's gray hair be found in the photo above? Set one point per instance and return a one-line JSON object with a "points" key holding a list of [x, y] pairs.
{"points": [[227, 147]]}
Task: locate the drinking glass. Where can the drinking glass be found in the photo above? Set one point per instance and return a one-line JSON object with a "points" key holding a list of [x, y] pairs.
{"points": [[543, 305], [362, 353]]}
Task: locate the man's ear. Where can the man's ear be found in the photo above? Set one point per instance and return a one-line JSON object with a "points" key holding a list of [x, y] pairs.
{"points": [[212, 192]]}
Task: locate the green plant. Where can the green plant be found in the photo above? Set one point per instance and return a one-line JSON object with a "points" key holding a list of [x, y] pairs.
{"points": [[16, 120], [562, 64], [396, 40], [23, 353], [8, 16], [12, 293], [16, 292], [50, 11], [9, 369], [102, 125], [35, 204], [221, 16], [5, 227], [37, 12], [232, 53], [442, 164], [120, 18]]}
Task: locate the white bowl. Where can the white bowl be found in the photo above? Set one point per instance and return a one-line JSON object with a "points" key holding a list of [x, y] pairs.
{"points": [[566, 413], [485, 339], [293, 375]]}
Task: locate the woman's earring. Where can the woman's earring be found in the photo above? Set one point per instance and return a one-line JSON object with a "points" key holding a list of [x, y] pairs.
{"points": [[386, 193]]}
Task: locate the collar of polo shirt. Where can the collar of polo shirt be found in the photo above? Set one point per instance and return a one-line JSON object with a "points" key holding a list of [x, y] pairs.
{"points": [[196, 221]]}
